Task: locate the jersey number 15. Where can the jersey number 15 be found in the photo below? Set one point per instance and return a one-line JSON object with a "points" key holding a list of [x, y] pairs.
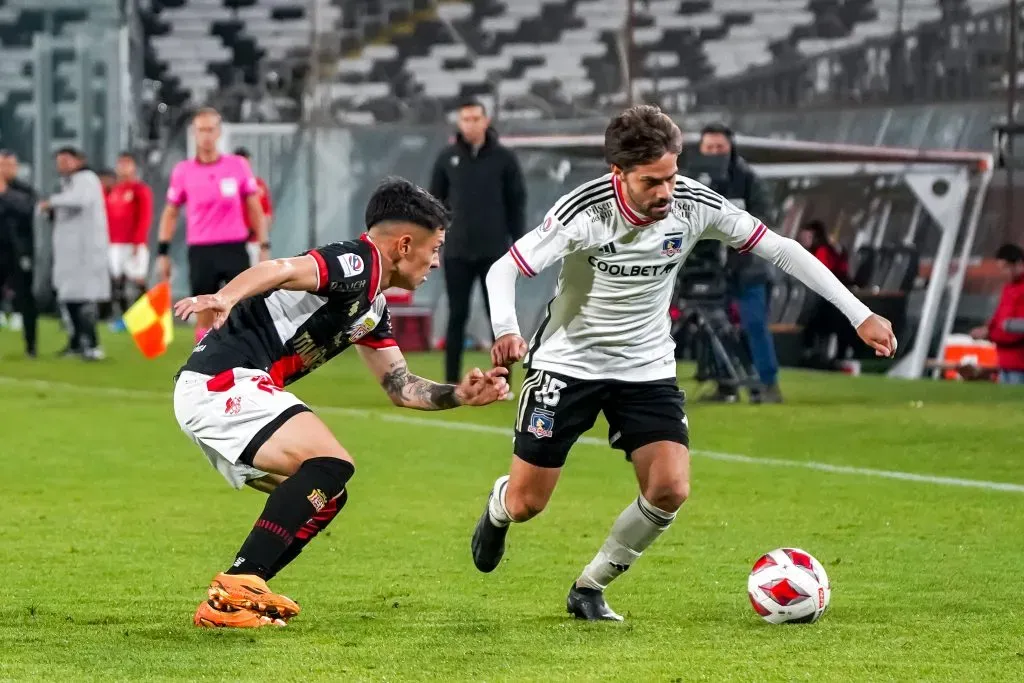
{"points": [[550, 392]]}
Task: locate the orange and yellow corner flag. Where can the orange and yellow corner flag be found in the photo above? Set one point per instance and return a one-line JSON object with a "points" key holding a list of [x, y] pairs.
{"points": [[151, 322]]}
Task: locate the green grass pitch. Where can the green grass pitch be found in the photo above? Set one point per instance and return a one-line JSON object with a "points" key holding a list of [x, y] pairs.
{"points": [[112, 523]]}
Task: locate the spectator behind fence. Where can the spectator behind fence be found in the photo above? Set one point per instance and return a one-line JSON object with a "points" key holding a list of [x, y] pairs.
{"points": [[822, 323], [722, 168], [80, 250], [481, 182], [253, 245], [1009, 345], [17, 245], [130, 217]]}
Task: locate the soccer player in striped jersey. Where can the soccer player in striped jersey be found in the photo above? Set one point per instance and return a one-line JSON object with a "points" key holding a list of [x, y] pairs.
{"points": [[605, 343], [274, 324]]}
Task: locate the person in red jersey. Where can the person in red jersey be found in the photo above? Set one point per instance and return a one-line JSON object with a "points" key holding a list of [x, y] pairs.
{"points": [[274, 324], [1009, 344], [825, 321], [129, 217], [253, 245]]}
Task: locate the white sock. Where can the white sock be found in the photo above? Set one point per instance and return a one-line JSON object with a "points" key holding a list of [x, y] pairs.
{"points": [[636, 528], [496, 506]]}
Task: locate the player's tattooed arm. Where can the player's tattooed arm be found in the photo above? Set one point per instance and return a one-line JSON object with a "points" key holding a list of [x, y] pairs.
{"points": [[411, 391]]}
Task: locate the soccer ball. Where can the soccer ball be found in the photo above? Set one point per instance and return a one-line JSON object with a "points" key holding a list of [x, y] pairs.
{"points": [[789, 586]]}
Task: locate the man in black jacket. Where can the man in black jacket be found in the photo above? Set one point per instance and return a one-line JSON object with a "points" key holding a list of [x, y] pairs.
{"points": [[17, 244], [721, 168], [482, 184]]}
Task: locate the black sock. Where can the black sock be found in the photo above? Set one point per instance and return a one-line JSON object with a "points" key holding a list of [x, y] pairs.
{"points": [[289, 507], [313, 526]]}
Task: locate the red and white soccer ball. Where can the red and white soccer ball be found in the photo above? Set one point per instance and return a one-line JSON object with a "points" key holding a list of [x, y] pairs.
{"points": [[789, 586]]}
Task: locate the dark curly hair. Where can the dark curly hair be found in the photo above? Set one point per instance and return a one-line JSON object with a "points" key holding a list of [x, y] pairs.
{"points": [[641, 135]]}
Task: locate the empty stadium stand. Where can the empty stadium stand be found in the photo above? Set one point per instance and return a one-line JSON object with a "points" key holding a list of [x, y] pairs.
{"points": [[552, 54], [413, 59], [67, 22]]}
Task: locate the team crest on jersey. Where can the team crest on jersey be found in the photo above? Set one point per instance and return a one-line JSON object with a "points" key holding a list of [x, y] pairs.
{"points": [[318, 499], [548, 224], [672, 246], [362, 328], [351, 264], [233, 405], [542, 423]]}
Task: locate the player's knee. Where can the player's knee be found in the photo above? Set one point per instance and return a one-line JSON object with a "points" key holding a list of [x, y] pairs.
{"points": [[524, 505], [668, 495]]}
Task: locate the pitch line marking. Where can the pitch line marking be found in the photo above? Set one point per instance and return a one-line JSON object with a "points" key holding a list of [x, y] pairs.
{"points": [[588, 440]]}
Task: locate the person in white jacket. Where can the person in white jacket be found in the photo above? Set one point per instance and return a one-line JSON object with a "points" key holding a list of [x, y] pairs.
{"points": [[605, 344], [80, 247]]}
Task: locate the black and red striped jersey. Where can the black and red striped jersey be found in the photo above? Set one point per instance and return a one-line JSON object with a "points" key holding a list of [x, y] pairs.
{"points": [[289, 334]]}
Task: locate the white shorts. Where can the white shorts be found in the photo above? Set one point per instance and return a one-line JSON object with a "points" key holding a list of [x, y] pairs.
{"points": [[127, 260], [231, 415], [253, 249]]}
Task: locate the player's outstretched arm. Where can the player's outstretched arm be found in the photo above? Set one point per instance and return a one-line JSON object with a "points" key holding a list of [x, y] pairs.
{"points": [[788, 255], [299, 273], [509, 346], [407, 390]]}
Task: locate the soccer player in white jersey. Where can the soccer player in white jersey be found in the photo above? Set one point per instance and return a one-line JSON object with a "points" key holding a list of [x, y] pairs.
{"points": [[605, 344]]}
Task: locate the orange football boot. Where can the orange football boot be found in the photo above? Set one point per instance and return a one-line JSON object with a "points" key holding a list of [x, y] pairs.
{"points": [[208, 616], [248, 591]]}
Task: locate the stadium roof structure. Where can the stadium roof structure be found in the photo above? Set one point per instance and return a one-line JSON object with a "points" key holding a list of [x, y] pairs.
{"points": [[951, 185]]}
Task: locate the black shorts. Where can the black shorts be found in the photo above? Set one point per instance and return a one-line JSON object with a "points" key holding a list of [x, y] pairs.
{"points": [[555, 410], [211, 266]]}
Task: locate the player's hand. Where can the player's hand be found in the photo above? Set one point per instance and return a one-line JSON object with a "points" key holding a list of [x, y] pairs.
{"points": [[163, 267], [205, 302], [480, 388], [507, 350], [979, 333], [44, 206], [877, 333]]}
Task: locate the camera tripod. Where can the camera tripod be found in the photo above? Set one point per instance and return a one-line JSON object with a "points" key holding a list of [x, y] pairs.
{"points": [[718, 347]]}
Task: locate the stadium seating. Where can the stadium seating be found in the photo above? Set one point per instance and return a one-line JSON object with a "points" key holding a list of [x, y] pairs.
{"points": [[412, 59], [548, 55], [20, 21]]}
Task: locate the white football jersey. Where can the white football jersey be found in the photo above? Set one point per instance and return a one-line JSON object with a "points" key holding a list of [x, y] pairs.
{"points": [[609, 318]]}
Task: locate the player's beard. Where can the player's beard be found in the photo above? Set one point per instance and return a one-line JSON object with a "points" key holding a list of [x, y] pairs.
{"points": [[649, 210], [659, 210]]}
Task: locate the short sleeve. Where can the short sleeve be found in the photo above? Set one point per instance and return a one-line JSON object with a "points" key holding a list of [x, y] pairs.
{"points": [[382, 336], [247, 180], [547, 244], [734, 226], [268, 207], [341, 268], [176, 194]]}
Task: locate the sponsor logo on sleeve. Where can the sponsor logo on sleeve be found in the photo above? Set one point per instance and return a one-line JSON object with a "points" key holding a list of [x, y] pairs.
{"points": [[351, 264]]}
